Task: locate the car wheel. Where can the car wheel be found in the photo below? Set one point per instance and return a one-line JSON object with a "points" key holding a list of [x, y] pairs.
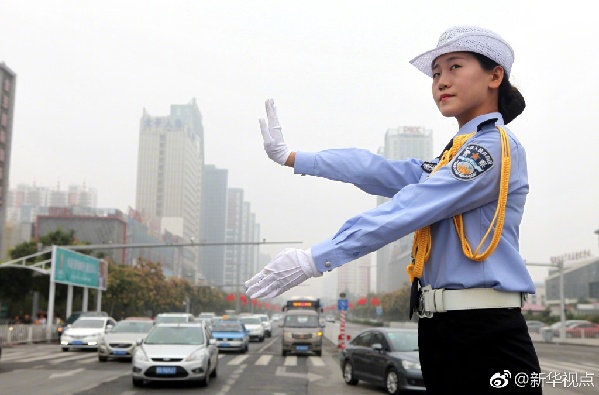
{"points": [[348, 374], [319, 353], [206, 380], [102, 359], [392, 382], [65, 349], [261, 339], [284, 353], [138, 382], [215, 371]]}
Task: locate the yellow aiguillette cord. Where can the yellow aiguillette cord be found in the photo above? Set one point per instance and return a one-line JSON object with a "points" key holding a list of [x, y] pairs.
{"points": [[422, 237]]}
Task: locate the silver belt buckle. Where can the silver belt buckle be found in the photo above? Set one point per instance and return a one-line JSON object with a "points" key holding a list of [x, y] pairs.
{"points": [[422, 313]]}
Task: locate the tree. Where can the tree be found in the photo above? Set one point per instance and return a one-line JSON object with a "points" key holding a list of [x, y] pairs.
{"points": [[16, 284], [396, 304]]}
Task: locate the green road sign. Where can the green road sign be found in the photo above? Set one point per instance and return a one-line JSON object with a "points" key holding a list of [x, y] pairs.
{"points": [[70, 267]]}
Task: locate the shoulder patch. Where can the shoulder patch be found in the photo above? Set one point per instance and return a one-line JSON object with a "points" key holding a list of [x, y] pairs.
{"points": [[428, 167], [471, 162]]}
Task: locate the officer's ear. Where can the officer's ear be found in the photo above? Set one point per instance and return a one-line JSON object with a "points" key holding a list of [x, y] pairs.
{"points": [[497, 75]]}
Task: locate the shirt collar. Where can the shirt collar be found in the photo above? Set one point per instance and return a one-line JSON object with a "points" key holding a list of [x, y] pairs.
{"points": [[471, 125]]}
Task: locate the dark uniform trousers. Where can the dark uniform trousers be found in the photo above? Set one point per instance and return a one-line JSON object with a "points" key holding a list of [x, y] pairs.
{"points": [[482, 351]]}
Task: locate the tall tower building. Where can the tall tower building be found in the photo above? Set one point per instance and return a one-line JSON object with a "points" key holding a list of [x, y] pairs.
{"points": [[401, 143], [213, 223], [241, 258], [354, 278], [8, 82], [170, 163], [234, 235]]}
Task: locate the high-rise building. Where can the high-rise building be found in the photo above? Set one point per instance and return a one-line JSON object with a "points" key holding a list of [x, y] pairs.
{"points": [[213, 223], [353, 278], [234, 236], [241, 230], [401, 143], [8, 82], [170, 163]]}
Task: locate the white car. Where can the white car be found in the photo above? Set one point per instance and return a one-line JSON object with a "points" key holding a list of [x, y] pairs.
{"points": [[254, 326], [86, 332], [174, 317], [120, 342], [266, 324], [176, 352]]}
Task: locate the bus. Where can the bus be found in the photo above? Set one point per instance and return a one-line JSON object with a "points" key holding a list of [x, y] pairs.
{"points": [[303, 302]]}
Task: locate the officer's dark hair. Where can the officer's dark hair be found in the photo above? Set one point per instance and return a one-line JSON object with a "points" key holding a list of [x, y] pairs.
{"points": [[511, 101]]}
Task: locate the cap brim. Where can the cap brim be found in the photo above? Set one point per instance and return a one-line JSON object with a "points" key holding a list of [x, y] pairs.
{"points": [[424, 61]]}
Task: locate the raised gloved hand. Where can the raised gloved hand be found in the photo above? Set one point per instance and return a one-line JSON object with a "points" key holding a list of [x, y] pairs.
{"points": [[290, 268], [274, 145]]}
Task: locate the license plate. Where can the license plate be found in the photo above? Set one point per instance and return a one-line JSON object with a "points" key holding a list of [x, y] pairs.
{"points": [[166, 370], [119, 352], [77, 342], [301, 348], [224, 344]]}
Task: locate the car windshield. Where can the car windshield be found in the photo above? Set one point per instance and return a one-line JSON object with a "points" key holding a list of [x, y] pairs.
{"points": [[227, 327], [170, 319], [301, 321], [251, 320], [264, 319], [176, 335], [403, 341], [132, 327], [88, 324]]}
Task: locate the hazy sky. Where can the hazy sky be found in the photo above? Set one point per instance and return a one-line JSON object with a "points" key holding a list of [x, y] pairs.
{"points": [[339, 74]]}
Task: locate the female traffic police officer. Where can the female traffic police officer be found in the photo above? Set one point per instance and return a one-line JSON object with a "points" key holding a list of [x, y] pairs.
{"points": [[465, 208]]}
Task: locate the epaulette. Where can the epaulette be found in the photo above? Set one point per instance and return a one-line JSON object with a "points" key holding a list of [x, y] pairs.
{"points": [[490, 121]]}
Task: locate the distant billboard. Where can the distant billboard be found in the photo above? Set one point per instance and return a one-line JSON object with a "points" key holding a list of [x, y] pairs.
{"points": [[70, 267]]}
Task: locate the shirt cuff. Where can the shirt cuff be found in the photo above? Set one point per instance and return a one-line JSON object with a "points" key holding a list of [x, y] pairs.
{"points": [[304, 163], [324, 256]]}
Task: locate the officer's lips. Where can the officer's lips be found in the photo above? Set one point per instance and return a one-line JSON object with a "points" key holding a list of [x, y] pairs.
{"points": [[444, 97]]}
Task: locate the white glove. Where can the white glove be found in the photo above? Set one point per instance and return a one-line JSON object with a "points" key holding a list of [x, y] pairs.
{"points": [[290, 268], [274, 145]]}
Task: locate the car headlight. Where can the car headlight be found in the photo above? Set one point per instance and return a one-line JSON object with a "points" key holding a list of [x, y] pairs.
{"points": [[140, 355], [318, 334], [196, 356], [410, 365]]}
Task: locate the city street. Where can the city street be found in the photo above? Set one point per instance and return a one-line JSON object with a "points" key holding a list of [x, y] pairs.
{"points": [[37, 368]]}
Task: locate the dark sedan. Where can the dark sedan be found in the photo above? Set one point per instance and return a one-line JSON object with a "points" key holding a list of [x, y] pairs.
{"points": [[384, 356]]}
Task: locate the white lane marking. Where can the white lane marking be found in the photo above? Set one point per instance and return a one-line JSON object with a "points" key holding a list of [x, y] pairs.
{"points": [[265, 346], [290, 361], [65, 374], [238, 360], [310, 376], [71, 358], [316, 361], [264, 360]]}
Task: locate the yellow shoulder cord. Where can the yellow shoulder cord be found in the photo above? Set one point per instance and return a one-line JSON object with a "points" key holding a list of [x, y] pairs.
{"points": [[422, 237]]}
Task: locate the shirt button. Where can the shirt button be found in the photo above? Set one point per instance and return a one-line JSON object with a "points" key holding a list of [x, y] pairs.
{"points": [[327, 264]]}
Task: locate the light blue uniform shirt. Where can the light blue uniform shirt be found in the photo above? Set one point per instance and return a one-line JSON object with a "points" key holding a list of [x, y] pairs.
{"points": [[419, 199]]}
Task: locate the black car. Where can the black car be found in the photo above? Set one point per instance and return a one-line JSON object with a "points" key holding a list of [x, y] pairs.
{"points": [[384, 356]]}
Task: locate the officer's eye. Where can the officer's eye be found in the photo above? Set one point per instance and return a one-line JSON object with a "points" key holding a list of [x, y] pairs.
{"points": [[435, 75], [455, 66]]}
